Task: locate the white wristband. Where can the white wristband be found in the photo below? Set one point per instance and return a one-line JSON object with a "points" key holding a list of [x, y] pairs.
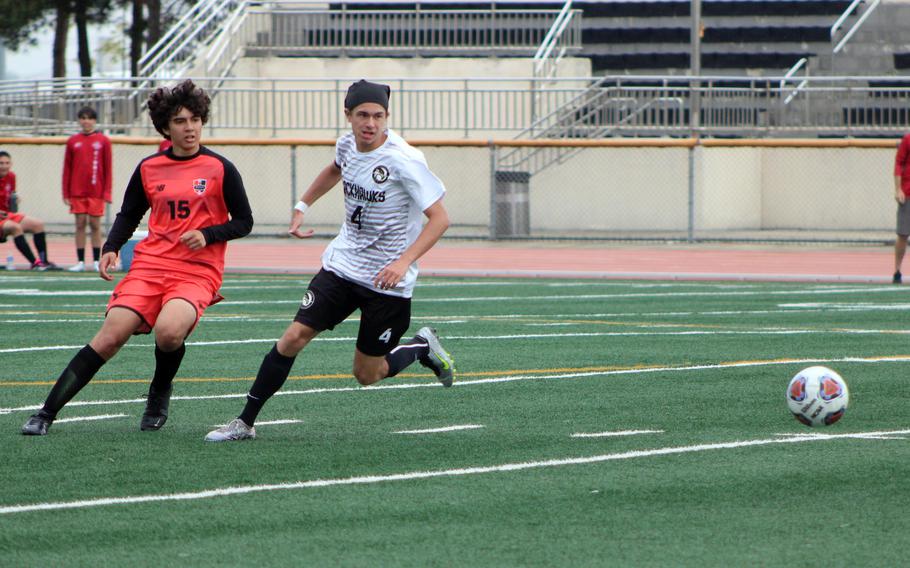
{"points": [[301, 206]]}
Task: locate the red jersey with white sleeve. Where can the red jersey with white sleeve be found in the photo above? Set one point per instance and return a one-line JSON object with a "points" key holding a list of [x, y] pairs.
{"points": [[87, 166], [7, 188], [902, 164], [201, 192]]}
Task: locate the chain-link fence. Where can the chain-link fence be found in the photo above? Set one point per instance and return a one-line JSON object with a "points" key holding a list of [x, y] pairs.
{"points": [[619, 189]]}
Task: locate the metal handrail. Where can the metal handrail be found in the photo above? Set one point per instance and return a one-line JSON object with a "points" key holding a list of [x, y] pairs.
{"points": [[223, 40], [856, 25], [187, 27], [553, 35], [793, 70]]}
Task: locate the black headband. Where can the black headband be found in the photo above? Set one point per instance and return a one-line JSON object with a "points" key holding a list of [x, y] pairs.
{"points": [[366, 92]]}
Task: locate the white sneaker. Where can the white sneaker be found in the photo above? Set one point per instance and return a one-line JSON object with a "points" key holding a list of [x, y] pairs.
{"points": [[236, 429], [438, 359], [78, 267], [96, 266]]}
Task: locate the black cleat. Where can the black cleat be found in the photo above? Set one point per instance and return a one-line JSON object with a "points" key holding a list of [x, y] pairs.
{"points": [[155, 414], [897, 278], [37, 424]]}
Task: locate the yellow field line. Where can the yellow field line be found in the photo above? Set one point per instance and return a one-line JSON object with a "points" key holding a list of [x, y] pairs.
{"points": [[407, 375], [342, 376]]}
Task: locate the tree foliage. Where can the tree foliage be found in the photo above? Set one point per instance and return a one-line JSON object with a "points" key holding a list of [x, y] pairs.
{"points": [[20, 21]]}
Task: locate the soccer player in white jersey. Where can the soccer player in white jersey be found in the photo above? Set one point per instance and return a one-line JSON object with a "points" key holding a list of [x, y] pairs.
{"points": [[370, 265]]}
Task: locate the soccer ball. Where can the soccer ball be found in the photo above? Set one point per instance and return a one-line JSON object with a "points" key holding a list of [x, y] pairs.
{"points": [[817, 396]]}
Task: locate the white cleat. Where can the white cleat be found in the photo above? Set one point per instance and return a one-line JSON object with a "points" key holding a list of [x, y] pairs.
{"points": [[78, 267], [438, 359], [95, 266], [236, 429]]}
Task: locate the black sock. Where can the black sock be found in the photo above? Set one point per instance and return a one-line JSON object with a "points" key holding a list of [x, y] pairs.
{"points": [[405, 354], [23, 248], [80, 254], [40, 246], [76, 375], [166, 366], [96, 253], [273, 372]]}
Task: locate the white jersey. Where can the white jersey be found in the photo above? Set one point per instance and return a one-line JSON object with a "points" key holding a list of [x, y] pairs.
{"points": [[385, 194]]}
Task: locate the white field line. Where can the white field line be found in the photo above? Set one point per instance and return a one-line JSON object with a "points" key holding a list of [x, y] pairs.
{"points": [[738, 293], [495, 380], [87, 418], [547, 336], [445, 429], [614, 433], [864, 436], [794, 309], [33, 292], [474, 470]]}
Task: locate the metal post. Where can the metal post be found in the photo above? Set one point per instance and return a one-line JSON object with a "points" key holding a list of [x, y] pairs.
{"points": [[467, 93], [338, 119], [690, 234], [493, 160], [293, 176], [695, 67], [274, 111]]}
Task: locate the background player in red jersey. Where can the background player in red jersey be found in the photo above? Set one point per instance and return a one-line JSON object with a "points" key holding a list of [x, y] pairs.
{"points": [[197, 203], [17, 224], [87, 177]]}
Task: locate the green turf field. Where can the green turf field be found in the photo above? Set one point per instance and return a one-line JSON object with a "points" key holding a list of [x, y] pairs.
{"points": [[704, 464]]}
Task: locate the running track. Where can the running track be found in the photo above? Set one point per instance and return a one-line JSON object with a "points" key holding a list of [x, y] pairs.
{"points": [[661, 262]]}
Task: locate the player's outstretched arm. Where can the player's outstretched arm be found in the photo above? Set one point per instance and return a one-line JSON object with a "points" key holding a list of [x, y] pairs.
{"points": [[325, 180], [107, 263], [296, 222], [437, 223]]}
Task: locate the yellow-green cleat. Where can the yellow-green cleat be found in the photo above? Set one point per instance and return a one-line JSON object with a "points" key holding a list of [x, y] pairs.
{"points": [[438, 359]]}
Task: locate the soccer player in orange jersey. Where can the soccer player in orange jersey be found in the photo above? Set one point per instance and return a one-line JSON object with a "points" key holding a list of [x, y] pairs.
{"points": [[197, 203]]}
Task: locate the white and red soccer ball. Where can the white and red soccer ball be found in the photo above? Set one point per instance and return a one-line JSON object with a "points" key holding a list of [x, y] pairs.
{"points": [[818, 396]]}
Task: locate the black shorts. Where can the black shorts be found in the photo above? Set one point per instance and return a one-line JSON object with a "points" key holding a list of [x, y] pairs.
{"points": [[330, 299]]}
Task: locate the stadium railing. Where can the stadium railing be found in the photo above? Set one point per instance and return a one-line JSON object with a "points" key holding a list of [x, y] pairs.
{"points": [[521, 107]]}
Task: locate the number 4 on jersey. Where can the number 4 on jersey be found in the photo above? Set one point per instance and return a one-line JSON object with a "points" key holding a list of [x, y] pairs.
{"points": [[357, 217]]}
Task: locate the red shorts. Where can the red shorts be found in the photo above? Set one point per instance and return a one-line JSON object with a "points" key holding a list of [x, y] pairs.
{"points": [[7, 216], [146, 291], [92, 206]]}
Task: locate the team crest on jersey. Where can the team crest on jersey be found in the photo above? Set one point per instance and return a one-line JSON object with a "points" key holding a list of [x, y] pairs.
{"points": [[199, 186], [380, 174], [307, 300], [96, 145]]}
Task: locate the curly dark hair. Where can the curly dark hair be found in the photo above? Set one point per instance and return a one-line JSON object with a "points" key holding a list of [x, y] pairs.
{"points": [[166, 102]]}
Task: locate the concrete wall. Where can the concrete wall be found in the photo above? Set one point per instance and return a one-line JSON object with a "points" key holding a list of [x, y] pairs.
{"points": [[599, 190]]}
